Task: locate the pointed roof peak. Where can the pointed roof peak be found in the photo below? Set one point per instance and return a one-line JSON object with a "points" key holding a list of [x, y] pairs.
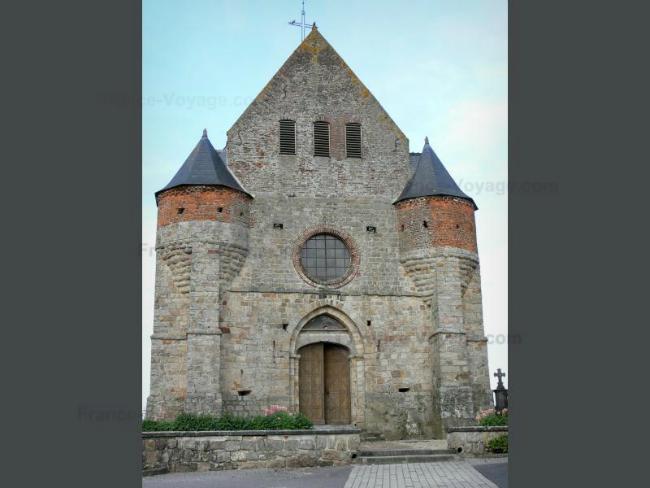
{"points": [[204, 166], [312, 53], [313, 33], [431, 178]]}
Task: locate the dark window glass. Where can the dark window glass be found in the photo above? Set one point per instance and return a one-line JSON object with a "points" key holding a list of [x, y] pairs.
{"points": [[325, 258]]}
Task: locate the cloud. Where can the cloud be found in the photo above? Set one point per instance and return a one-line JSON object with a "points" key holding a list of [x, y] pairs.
{"points": [[478, 125]]}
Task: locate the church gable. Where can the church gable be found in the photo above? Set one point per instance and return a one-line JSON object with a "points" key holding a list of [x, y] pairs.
{"points": [[307, 62], [315, 86]]}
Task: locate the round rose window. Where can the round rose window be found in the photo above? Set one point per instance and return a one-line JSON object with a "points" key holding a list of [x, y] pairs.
{"points": [[325, 259]]}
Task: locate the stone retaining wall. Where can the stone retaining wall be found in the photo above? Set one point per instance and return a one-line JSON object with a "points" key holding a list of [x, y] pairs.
{"points": [[167, 452], [472, 440]]}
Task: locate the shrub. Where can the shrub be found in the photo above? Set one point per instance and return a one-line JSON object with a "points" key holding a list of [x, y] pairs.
{"points": [[498, 444], [280, 420], [490, 417], [301, 421]]}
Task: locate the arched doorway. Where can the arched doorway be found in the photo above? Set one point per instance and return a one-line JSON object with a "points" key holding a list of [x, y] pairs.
{"points": [[324, 383], [328, 325]]}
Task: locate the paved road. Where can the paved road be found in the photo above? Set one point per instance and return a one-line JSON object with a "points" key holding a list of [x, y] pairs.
{"points": [[254, 478], [497, 473], [412, 475]]}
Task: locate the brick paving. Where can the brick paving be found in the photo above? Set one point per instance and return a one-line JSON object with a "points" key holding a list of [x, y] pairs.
{"points": [[456, 474]]}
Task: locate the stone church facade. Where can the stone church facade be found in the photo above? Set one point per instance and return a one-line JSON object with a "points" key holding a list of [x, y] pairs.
{"points": [[315, 263]]}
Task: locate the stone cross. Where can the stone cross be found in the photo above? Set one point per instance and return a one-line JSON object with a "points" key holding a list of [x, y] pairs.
{"points": [[499, 375]]}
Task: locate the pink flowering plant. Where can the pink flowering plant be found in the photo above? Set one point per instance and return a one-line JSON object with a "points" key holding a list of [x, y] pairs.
{"points": [[490, 416], [270, 410]]}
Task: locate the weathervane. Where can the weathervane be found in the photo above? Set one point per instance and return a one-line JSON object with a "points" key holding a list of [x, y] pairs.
{"points": [[302, 23]]}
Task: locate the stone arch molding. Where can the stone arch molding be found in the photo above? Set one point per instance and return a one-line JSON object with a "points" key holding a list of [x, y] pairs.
{"points": [[350, 337]]}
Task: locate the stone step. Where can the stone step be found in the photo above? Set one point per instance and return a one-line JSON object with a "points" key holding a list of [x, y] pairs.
{"points": [[154, 471], [414, 458], [376, 445], [371, 436], [403, 452]]}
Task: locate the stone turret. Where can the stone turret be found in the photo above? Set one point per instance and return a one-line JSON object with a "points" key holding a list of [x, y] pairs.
{"points": [[438, 250], [201, 244]]}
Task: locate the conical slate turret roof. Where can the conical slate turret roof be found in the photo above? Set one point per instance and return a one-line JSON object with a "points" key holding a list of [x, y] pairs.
{"points": [[431, 179], [204, 166]]}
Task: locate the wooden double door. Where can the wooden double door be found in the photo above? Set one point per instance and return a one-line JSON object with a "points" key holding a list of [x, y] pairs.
{"points": [[324, 383]]}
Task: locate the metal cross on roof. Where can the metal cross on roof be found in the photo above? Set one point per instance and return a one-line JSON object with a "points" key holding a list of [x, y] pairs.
{"points": [[302, 23], [499, 375]]}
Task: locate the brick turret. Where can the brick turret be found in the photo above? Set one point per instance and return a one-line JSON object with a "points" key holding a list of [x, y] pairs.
{"points": [[438, 250], [202, 242]]}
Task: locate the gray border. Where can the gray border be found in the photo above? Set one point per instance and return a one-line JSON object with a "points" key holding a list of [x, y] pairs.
{"points": [[71, 185], [578, 128], [578, 123]]}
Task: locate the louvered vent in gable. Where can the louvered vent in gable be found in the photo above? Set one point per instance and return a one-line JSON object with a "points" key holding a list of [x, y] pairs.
{"points": [[321, 139], [353, 140], [287, 137]]}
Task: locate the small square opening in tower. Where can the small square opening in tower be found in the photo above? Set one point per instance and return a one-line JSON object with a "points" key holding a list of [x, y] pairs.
{"points": [[180, 210]]}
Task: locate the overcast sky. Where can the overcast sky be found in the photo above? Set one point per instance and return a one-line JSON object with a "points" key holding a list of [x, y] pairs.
{"points": [[438, 67]]}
